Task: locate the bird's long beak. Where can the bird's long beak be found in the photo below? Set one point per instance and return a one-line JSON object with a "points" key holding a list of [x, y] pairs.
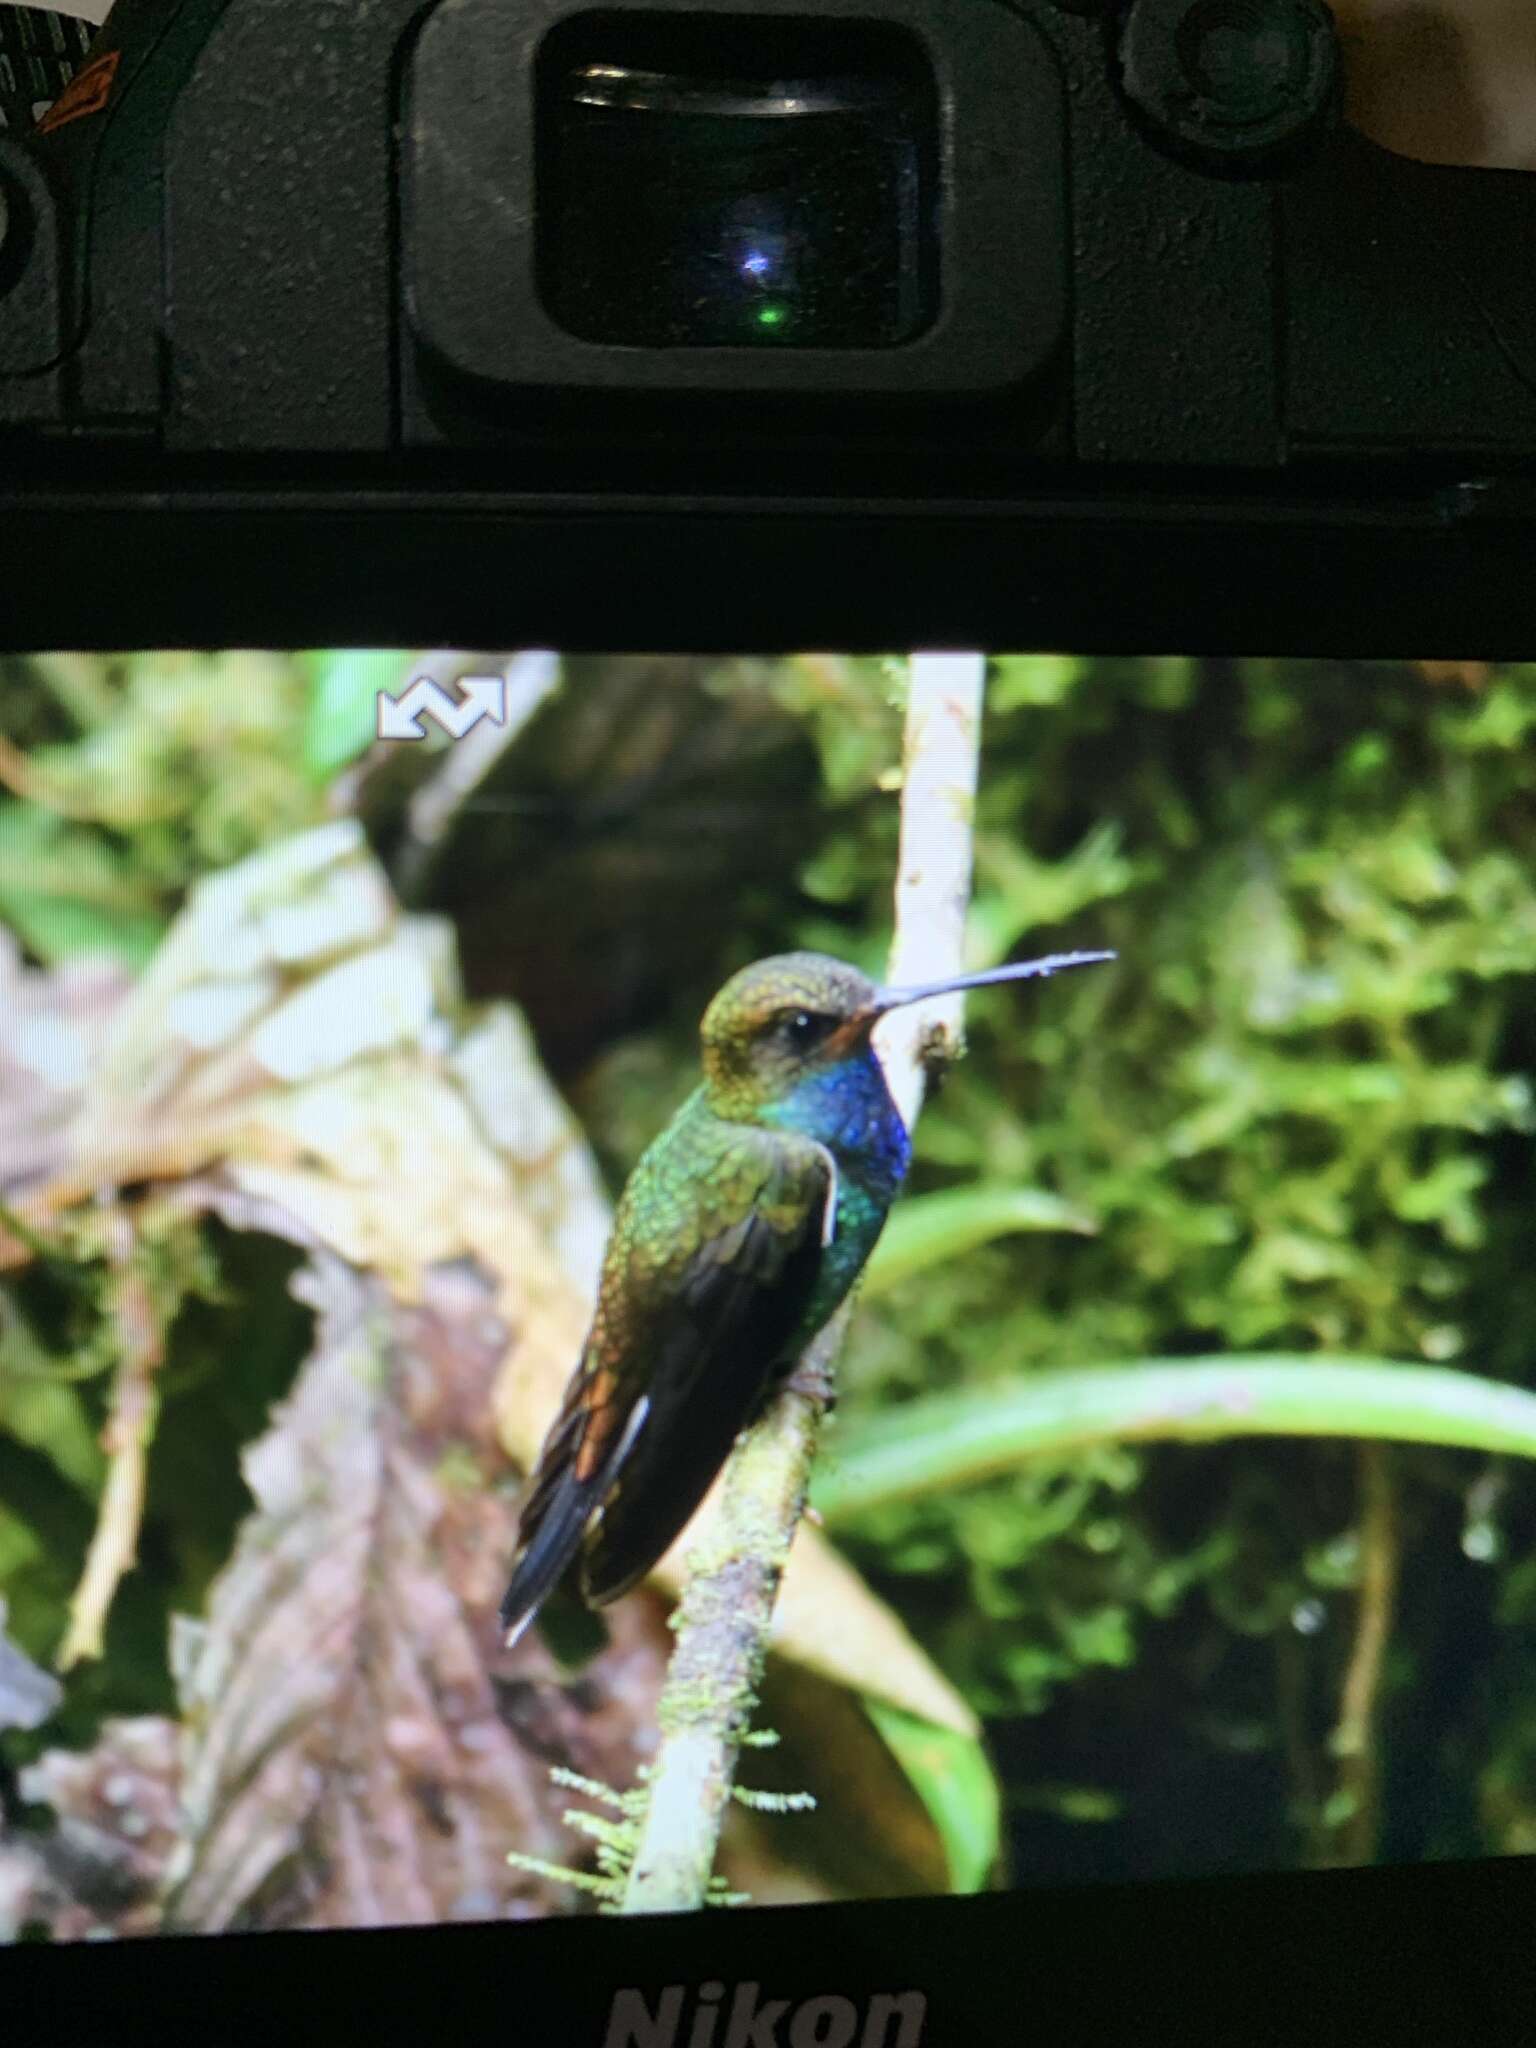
{"points": [[887, 999], [857, 1028]]}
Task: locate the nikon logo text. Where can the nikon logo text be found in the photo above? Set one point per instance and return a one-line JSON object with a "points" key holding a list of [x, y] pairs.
{"points": [[744, 2018]]}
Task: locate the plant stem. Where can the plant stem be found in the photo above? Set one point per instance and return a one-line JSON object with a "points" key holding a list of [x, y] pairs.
{"points": [[126, 1439], [726, 1610], [1354, 1742]]}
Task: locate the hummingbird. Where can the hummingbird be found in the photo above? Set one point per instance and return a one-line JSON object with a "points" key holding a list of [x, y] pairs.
{"points": [[735, 1240]]}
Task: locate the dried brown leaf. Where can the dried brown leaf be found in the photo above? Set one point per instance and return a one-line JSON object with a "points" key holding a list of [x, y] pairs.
{"points": [[97, 1870], [56, 1023], [350, 1759]]}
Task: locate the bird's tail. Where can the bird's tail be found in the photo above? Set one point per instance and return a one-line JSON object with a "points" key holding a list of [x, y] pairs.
{"points": [[559, 1509], [550, 1550]]}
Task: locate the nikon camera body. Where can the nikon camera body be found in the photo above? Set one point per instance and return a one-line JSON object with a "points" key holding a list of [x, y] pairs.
{"points": [[1119, 272]]}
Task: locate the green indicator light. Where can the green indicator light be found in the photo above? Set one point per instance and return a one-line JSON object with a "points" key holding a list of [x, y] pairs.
{"points": [[770, 316]]}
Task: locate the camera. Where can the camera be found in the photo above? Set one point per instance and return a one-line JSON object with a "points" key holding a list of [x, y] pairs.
{"points": [[354, 354], [1097, 262]]}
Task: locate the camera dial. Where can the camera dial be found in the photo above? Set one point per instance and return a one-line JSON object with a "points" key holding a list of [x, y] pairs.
{"points": [[1234, 82]]}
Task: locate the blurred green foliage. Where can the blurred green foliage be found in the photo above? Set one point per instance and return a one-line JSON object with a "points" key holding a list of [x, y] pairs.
{"points": [[144, 771], [1299, 1110], [1296, 1115]]}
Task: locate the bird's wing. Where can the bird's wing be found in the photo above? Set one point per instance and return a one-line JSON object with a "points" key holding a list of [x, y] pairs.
{"points": [[682, 1350], [728, 1322]]}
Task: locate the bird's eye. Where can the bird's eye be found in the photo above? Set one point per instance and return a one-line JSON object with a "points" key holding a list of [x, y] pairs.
{"points": [[803, 1027]]}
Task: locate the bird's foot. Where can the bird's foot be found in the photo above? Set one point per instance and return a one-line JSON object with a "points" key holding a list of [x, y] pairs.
{"points": [[812, 1378]]}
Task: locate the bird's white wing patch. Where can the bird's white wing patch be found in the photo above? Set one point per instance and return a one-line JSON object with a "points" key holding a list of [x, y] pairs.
{"points": [[829, 1210]]}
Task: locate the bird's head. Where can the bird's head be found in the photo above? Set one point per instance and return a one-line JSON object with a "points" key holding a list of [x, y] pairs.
{"points": [[780, 1019], [783, 1019]]}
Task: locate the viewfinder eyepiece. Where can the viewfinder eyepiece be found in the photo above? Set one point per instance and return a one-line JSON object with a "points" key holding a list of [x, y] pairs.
{"points": [[713, 181]]}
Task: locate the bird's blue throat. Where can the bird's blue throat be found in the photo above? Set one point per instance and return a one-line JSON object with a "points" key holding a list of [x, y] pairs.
{"points": [[848, 1108]]}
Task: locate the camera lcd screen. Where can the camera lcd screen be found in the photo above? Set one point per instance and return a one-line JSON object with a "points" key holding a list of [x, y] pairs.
{"points": [[1175, 1515]]}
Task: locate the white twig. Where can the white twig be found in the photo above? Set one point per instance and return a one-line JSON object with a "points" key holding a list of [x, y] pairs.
{"points": [[940, 757], [723, 1618]]}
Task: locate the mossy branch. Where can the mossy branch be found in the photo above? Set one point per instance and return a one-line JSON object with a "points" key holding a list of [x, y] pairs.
{"points": [[725, 1613]]}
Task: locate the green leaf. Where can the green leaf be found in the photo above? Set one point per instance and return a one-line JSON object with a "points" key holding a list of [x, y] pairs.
{"points": [[50, 1418], [64, 892], [951, 1440], [954, 1780], [344, 694], [1017, 681], [927, 1230]]}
